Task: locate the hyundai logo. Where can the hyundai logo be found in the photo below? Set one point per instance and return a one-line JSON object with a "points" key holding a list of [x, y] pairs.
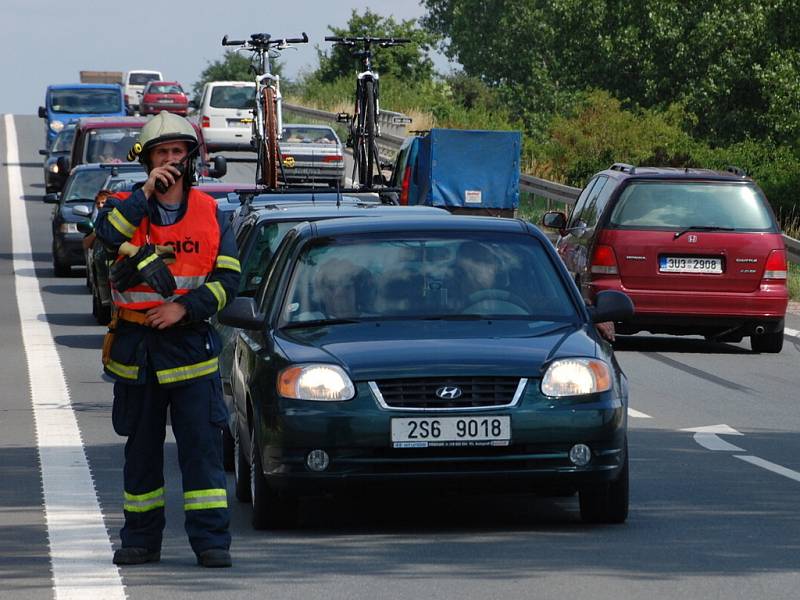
{"points": [[448, 392]]}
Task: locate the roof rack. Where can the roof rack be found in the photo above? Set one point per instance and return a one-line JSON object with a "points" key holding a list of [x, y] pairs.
{"points": [[246, 196], [736, 171], [623, 168]]}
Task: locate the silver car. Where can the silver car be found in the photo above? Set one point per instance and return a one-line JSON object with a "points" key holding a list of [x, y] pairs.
{"points": [[312, 154]]}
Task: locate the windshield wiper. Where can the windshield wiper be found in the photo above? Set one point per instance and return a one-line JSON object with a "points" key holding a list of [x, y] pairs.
{"points": [[465, 317], [319, 323], [701, 228]]}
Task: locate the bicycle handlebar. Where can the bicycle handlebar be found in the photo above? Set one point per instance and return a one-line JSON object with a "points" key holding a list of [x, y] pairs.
{"points": [[263, 40], [351, 41]]}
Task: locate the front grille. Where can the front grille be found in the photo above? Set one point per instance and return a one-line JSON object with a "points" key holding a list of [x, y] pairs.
{"points": [[420, 393]]}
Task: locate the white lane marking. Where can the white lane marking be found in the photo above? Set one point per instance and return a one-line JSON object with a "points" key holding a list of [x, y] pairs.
{"points": [[80, 549], [770, 466], [707, 437], [791, 332], [637, 415]]}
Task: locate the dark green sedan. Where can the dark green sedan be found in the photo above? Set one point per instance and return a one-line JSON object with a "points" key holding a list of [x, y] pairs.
{"points": [[423, 351]]}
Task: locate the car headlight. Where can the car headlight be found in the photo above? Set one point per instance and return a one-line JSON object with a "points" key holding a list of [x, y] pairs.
{"points": [[315, 382], [576, 377], [56, 125], [53, 168], [68, 228]]}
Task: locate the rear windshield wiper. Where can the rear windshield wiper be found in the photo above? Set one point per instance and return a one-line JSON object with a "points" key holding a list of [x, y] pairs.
{"points": [[319, 323], [701, 228]]}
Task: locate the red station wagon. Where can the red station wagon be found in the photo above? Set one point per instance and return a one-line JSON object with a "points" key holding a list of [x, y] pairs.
{"points": [[698, 252], [164, 95]]}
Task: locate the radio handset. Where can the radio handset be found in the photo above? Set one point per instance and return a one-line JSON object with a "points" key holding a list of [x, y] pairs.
{"points": [[162, 187]]}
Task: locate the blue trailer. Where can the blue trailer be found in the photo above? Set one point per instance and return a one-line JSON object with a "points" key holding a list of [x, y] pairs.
{"points": [[467, 171]]}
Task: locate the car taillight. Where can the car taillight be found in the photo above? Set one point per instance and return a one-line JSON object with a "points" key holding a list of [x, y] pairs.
{"points": [[404, 186], [206, 122], [604, 261], [776, 266], [331, 158]]}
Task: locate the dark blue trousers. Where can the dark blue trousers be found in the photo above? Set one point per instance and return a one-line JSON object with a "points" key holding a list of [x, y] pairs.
{"points": [[197, 413]]}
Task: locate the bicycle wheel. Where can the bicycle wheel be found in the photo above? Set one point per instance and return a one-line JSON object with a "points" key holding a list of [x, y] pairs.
{"points": [[369, 133], [268, 152]]}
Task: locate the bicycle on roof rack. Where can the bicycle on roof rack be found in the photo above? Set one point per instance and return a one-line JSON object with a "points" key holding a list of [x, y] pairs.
{"points": [[363, 123], [267, 115]]}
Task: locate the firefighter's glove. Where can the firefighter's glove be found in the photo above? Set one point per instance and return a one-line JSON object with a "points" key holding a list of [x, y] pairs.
{"points": [[153, 270], [124, 274]]}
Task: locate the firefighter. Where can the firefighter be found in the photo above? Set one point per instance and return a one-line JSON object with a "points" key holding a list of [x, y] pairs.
{"points": [[176, 266]]}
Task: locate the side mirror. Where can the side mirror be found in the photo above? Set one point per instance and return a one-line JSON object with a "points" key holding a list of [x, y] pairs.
{"points": [[241, 313], [43, 152], [555, 220], [611, 305], [220, 167], [82, 211], [51, 198], [85, 227], [63, 165], [193, 104], [42, 112]]}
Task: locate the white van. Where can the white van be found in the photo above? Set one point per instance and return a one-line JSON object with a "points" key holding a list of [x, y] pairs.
{"points": [[225, 114], [134, 84]]}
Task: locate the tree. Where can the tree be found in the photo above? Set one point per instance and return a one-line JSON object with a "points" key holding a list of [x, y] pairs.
{"points": [[234, 66], [409, 62], [731, 63]]}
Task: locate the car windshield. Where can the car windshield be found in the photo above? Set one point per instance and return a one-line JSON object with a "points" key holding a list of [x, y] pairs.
{"points": [[110, 144], [164, 89], [142, 78], [445, 278], [86, 102], [233, 96], [125, 183], [308, 135], [82, 186], [267, 239], [63, 141], [681, 205]]}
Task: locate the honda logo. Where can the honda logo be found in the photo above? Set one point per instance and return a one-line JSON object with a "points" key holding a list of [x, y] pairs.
{"points": [[692, 239], [448, 392]]}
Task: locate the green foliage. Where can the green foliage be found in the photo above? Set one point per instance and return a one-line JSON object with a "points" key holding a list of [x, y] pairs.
{"points": [[406, 62], [234, 66], [734, 63]]}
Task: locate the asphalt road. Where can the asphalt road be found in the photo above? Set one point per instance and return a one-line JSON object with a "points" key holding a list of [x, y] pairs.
{"points": [[708, 520]]}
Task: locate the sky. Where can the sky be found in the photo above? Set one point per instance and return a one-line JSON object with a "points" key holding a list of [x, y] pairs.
{"points": [[45, 42]]}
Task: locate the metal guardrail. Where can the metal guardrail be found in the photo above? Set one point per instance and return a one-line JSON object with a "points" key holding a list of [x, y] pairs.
{"points": [[390, 143]]}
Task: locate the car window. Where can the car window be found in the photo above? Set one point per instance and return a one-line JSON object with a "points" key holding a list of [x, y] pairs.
{"points": [[233, 96], [164, 89], [597, 201], [142, 78], [443, 277], [84, 185], [678, 205], [110, 144], [273, 274], [309, 135], [63, 141], [581, 202], [85, 102], [268, 237]]}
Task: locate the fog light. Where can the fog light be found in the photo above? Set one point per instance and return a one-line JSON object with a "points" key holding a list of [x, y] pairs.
{"points": [[318, 460], [580, 455]]}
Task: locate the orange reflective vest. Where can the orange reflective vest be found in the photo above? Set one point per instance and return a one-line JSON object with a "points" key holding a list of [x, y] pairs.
{"points": [[195, 239]]}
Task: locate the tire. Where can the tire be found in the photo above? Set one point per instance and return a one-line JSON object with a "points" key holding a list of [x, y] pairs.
{"points": [[769, 343], [271, 509], [102, 314], [369, 132], [60, 269], [241, 469], [269, 154], [608, 502]]}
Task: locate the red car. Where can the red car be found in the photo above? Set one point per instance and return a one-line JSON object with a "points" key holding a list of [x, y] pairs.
{"points": [[164, 95], [698, 252]]}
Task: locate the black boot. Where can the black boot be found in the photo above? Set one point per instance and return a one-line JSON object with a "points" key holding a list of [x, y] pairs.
{"points": [[214, 558], [136, 556]]}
